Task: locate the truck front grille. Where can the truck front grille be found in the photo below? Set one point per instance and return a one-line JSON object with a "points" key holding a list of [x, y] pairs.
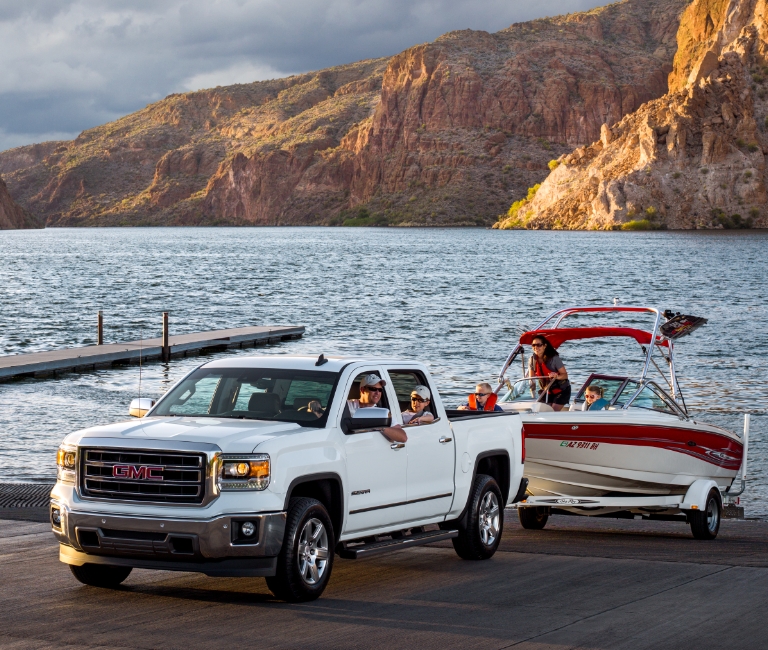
{"points": [[142, 475]]}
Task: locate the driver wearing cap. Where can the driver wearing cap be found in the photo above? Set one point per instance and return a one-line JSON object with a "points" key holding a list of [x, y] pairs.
{"points": [[371, 392], [418, 413]]}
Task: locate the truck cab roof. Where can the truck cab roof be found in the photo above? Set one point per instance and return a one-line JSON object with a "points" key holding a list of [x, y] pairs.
{"points": [[332, 364]]}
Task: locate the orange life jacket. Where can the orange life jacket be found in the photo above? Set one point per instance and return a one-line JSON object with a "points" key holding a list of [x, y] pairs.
{"points": [[543, 371], [489, 403]]}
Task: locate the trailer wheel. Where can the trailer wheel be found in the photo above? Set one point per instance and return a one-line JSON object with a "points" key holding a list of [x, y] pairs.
{"points": [[533, 518], [99, 575], [705, 524], [306, 559], [480, 534]]}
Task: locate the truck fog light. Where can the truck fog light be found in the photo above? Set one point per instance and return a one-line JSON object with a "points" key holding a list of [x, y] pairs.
{"points": [[56, 517], [248, 528]]}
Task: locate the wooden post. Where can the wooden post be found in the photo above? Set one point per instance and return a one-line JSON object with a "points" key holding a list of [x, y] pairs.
{"points": [[100, 329], [166, 353]]}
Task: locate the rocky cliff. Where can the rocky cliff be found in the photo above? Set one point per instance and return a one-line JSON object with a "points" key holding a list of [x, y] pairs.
{"points": [[445, 133], [13, 217], [694, 158]]}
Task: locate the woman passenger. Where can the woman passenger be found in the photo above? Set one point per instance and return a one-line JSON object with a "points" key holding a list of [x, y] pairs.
{"points": [[545, 363]]}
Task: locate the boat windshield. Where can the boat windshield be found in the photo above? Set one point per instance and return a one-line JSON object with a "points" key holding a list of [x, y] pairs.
{"points": [[650, 397], [300, 396]]}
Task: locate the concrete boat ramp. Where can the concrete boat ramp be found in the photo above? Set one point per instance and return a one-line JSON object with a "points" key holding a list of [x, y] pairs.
{"points": [[579, 583], [93, 357]]}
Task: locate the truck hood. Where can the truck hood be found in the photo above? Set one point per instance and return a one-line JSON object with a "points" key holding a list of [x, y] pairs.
{"points": [[232, 436]]}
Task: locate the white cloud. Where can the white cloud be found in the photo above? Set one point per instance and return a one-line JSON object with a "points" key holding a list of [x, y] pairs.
{"points": [[69, 65], [239, 73], [13, 140]]}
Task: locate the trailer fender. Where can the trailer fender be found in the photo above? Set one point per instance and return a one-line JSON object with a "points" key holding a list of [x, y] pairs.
{"points": [[696, 497]]}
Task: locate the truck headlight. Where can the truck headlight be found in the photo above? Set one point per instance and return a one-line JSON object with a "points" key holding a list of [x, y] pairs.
{"points": [[244, 472], [66, 464]]}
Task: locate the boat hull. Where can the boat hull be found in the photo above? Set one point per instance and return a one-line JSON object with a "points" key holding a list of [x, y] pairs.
{"points": [[614, 453]]}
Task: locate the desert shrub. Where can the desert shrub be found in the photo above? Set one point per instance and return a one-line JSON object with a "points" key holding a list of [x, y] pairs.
{"points": [[640, 224], [651, 213], [545, 144], [553, 165], [516, 217], [741, 143], [676, 175], [364, 218], [754, 213], [747, 174], [752, 147], [734, 222], [704, 170]]}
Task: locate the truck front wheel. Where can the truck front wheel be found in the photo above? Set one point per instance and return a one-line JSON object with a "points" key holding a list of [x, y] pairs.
{"points": [[99, 575], [306, 558], [480, 534]]}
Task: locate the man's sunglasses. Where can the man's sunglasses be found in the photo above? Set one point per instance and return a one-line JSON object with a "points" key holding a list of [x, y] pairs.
{"points": [[482, 394], [416, 398], [372, 389]]}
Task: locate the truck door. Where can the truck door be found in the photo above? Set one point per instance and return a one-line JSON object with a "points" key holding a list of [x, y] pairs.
{"points": [[430, 450], [376, 471]]}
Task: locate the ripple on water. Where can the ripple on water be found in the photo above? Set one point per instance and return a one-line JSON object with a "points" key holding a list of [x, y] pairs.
{"points": [[456, 299]]}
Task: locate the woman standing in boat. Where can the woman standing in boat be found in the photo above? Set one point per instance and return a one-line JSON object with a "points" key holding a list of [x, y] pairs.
{"points": [[545, 363]]}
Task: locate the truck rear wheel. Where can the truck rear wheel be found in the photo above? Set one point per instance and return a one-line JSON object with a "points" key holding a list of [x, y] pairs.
{"points": [[480, 534], [99, 575], [306, 558], [705, 524], [533, 518]]}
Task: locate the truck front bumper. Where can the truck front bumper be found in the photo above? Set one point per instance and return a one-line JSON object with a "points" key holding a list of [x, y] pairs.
{"points": [[215, 546]]}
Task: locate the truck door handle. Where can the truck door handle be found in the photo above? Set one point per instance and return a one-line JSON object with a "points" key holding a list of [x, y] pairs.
{"points": [[444, 439], [397, 445]]}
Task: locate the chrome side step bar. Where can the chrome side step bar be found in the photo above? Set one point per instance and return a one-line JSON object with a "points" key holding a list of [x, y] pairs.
{"points": [[358, 552]]}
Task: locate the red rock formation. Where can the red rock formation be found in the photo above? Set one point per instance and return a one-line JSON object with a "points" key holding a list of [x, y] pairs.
{"points": [[443, 133], [694, 158], [13, 217]]}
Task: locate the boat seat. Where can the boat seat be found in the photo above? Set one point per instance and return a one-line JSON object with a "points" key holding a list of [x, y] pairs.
{"points": [[541, 407]]}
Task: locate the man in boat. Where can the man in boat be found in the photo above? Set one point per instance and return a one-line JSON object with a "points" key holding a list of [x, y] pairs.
{"points": [[483, 399]]}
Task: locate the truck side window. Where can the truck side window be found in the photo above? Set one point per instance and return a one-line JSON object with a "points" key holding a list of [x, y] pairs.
{"points": [[403, 381]]}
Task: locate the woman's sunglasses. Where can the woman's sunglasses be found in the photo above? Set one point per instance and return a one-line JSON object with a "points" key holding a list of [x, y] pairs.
{"points": [[416, 398]]}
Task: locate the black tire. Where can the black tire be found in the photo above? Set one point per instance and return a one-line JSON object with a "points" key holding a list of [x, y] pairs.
{"points": [[303, 574], [100, 575], [705, 524], [533, 518], [480, 529]]}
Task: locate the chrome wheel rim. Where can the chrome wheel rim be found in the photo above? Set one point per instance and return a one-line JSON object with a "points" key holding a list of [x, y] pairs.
{"points": [[489, 519], [313, 551], [713, 515]]}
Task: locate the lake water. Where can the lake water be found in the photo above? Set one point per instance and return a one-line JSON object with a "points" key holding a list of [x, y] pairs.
{"points": [[456, 299]]}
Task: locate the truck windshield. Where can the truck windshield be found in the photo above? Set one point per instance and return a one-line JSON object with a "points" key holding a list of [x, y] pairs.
{"points": [[300, 396]]}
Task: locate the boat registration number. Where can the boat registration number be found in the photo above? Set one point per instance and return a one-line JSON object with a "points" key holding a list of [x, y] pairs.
{"points": [[579, 444]]}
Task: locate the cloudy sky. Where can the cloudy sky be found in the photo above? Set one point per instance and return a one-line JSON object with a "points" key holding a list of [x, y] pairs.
{"points": [[67, 65]]}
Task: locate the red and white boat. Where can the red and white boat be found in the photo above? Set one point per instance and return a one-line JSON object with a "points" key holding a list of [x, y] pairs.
{"points": [[643, 455]]}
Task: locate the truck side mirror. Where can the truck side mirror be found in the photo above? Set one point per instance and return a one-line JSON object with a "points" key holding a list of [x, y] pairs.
{"points": [[140, 406], [366, 419]]}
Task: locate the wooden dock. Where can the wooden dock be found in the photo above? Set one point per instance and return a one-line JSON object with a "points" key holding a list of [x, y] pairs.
{"points": [[94, 357]]}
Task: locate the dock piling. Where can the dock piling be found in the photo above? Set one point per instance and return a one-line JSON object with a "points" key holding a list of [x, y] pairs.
{"points": [[100, 329], [165, 355]]}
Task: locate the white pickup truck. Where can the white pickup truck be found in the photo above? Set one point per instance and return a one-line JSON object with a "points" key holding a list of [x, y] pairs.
{"points": [[238, 471]]}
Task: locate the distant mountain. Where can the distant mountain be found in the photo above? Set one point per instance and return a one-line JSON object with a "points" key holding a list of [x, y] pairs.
{"points": [[446, 133], [13, 217], [694, 158]]}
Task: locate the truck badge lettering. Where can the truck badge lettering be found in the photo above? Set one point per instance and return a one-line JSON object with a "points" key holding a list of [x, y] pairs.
{"points": [[141, 472], [356, 492]]}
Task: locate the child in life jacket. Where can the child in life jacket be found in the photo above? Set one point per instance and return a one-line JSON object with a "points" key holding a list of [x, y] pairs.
{"points": [[483, 399]]}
